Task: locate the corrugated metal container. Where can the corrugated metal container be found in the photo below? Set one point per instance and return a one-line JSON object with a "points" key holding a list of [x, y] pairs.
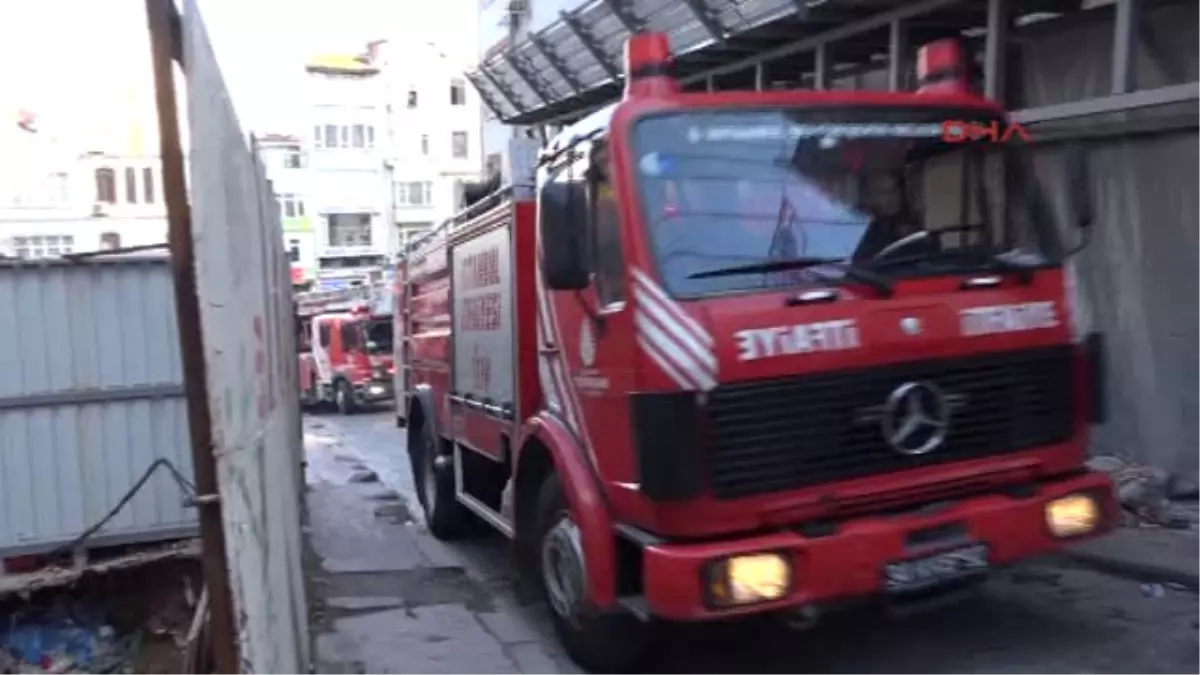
{"points": [[91, 393]]}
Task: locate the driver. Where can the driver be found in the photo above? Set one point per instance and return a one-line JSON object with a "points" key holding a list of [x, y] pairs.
{"points": [[885, 201]]}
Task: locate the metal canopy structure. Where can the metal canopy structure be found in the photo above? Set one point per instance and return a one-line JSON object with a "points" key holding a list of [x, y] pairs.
{"points": [[573, 66]]}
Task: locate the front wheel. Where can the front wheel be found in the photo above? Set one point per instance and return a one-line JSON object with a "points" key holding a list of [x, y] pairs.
{"points": [[343, 397], [599, 642]]}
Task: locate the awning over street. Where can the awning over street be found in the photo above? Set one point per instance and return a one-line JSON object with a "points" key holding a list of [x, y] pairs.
{"points": [[574, 64]]}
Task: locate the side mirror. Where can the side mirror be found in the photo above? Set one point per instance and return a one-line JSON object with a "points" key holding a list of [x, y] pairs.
{"points": [[562, 226], [372, 345], [1079, 187]]}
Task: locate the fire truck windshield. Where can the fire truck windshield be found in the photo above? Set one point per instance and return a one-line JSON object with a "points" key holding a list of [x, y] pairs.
{"points": [[379, 336], [726, 194]]}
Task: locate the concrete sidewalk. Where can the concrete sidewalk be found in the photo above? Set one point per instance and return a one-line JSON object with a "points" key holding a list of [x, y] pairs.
{"points": [[385, 597], [1147, 554]]}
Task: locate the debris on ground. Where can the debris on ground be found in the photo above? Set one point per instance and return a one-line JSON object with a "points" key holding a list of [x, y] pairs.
{"points": [[125, 621], [1150, 496], [364, 476]]}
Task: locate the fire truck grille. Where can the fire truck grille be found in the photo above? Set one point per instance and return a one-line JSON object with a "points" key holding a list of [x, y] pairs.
{"points": [[788, 433]]}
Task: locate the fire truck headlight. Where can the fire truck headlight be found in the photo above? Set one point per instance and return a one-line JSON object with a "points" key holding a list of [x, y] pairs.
{"points": [[1072, 516], [748, 579]]}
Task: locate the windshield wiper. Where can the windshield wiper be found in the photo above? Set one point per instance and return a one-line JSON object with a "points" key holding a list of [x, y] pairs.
{"points": [[881, 283]]}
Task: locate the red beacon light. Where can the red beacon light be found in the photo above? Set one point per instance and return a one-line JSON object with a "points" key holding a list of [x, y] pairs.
{"points": [[943, 68], [648, 66]]}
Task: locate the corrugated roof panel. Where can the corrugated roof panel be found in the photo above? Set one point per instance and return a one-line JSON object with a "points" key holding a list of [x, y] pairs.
{"points": [[746, 14]]}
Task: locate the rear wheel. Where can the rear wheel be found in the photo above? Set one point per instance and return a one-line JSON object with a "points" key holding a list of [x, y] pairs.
{"points": [[343, 397], [608, 642], [444, 515]]}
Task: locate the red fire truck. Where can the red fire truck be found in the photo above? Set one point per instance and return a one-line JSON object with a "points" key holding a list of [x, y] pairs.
{"points": [[345, 343], [747, 352]]}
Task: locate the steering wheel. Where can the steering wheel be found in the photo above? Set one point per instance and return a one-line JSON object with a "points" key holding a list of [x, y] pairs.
{"points": [[919, 237]]}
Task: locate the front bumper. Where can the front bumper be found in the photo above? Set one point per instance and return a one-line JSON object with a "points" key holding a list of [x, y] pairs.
{"points": [[374, 391], [848, 563]]}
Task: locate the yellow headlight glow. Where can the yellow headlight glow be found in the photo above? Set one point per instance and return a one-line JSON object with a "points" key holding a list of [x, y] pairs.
{"points": [[747, 579], [1072, 516]]}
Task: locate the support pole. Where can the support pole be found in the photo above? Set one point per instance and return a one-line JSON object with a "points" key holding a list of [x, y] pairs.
{"points": [[897, 54], [760, 76], [996, 50], [821, 67], [164, 23], [1125, 39]]}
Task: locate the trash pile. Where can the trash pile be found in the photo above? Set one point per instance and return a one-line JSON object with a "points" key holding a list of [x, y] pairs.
{"points": [[1150, 496], [64, 639], [130, 621]]}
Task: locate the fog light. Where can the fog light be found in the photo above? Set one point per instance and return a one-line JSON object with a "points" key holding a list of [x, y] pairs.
{"points": [[1072, 516], [747, 579]]}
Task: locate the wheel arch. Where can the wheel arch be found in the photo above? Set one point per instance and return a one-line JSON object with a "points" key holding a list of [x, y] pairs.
{"points": [[546, 447]]}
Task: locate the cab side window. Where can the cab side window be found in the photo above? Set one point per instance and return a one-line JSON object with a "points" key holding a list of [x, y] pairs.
{"points": [[324, 334], [350, 337], [608, 263]]}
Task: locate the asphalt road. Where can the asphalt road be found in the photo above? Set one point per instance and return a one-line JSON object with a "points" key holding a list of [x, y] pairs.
{"points": [[1043, 617]]}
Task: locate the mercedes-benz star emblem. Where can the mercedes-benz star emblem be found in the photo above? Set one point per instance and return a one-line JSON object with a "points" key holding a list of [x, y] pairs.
{"points": [[916, 418]]}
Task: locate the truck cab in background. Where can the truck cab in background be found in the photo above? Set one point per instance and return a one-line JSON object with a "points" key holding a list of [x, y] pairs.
{"points": [[748, 352], [345, 343]]}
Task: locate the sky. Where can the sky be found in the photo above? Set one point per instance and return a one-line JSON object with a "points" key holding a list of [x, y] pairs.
{"points": [[73, 50]]}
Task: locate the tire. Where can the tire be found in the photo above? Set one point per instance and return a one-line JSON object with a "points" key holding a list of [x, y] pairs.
{"points": [[608, 642], [343, 398], [444, 516]]}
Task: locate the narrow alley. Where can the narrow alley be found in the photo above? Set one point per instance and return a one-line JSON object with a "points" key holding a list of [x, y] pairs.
{"points": [[389, 598]]}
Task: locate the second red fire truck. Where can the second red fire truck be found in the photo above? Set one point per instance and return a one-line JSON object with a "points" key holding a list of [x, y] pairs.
{"points": [[748, 352], [345, 343]]}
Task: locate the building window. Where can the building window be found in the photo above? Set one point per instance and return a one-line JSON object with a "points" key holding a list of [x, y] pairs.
{"points": [[291, 206], [331, 136], [106, 185], [294, 250], [317, 136], [412, 99], [458, 145], [148, 185], [131, 186], [370, 136], [414, 194], [294, 160], [425, 144], [458, 92], [345, 136], [48, 246], [359, 137], [350, 229]]}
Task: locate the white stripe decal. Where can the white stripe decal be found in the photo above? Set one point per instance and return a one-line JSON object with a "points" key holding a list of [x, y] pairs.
{"points": [[665, 364], [685, 319], [572, 400], [554, 381], [670, 337], [651, 312], [665, 350]]}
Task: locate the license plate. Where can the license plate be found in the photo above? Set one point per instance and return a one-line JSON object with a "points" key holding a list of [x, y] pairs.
{"points": [[935, 570]]}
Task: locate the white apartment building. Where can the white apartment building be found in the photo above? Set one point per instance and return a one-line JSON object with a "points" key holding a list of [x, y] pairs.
{"points": [[349, 185], [286, 161], [433, 133], [63, 197]]}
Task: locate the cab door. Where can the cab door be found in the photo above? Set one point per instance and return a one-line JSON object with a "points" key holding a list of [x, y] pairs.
{"points": [[595, 324]]}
